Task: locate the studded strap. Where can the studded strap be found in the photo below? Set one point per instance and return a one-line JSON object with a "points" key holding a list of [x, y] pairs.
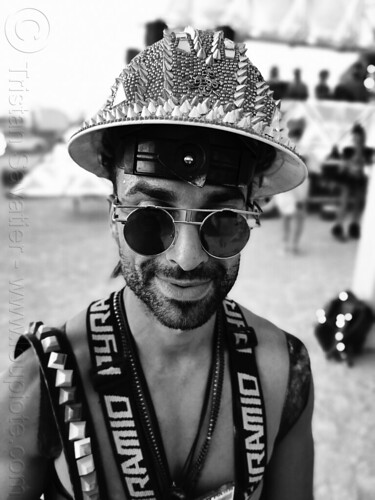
{"points": [[61, 376]]}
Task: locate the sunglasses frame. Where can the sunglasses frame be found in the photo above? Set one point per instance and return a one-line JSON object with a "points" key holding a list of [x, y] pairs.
{"points": [[189, 213]]}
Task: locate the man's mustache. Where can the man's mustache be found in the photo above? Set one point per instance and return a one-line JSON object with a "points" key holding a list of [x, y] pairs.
{"points": [[202, 272]]}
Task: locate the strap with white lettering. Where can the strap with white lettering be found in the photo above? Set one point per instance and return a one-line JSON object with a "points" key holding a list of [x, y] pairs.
{"points": [[248, 404], [113, 383]]}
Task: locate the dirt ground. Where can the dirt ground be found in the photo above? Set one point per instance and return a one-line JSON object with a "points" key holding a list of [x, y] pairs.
{"points": [[62, 257]]}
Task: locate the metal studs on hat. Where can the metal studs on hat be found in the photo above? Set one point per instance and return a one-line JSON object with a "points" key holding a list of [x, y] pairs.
{"points": [[189, 160], [189, 76]]}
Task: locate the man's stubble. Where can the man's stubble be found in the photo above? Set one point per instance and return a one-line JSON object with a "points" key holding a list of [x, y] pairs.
{"points": [[177, 314]]}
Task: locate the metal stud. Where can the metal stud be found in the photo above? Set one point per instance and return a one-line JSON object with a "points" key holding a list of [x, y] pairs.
{"points": [[64, 378], [151, 107], [73, 412], [176, 113], [130, 114], [82, 447], [57, 360], [229, 117], [77, 430], [119, 114], [120, 95], [201, 54], [190, 31], [50, 344], [67, 395], [85, 465], [39, 327], [167, 107], [145, 112], [245, 122], [185, 107], [220, 110], [194, 113], [137, 108], [239, 102], [160, 113], [88, 482], [33, 327], [91, 495]]}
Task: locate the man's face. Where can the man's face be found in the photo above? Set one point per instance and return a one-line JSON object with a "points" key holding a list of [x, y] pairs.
{"points": [[184, 286]]}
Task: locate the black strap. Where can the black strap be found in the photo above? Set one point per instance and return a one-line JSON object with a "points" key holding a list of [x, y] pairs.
{"points": [[113, 383], [60, 373], [248, 403], [131, 448]]}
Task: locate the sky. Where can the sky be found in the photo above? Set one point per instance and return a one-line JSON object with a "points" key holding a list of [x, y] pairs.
{"points": [[67, 54]]}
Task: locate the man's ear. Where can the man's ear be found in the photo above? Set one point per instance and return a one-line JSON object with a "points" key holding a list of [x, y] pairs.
{"points": [[112, 224]]}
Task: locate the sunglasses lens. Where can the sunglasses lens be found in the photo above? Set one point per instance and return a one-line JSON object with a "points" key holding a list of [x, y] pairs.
{"points": [[224, 234], [149, 231]]}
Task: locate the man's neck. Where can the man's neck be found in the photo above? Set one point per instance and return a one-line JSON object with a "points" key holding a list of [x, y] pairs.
{"points": [[156, 340]]}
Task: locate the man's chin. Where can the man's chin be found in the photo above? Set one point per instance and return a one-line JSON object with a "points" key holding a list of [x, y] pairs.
{"points": [[184, 315]]}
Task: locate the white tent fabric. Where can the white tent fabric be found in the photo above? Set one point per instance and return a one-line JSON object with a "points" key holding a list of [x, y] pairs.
{"points": [[339, 24], [58, 175], [329, 123]]}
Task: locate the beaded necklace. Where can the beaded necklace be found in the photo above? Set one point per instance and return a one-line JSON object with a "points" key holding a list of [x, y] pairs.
{"points": [[181, 487]]}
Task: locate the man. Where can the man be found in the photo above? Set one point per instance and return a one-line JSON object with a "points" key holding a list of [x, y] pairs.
{"points": [[356, 160], [167, 389]]}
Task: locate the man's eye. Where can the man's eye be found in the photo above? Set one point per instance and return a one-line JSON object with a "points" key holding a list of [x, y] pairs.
{"points": [[200, 216]]}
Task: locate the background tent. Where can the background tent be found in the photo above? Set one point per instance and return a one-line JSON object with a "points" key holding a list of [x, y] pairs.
{"points": [[58, 175], [328, 124], [342, 24]]}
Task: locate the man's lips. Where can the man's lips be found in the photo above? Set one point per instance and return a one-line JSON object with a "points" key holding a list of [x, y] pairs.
{"points": [[184, 289], [184, 283]]}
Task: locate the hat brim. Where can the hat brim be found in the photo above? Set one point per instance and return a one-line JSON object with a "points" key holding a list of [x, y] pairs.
{"points": [[287, 172]]}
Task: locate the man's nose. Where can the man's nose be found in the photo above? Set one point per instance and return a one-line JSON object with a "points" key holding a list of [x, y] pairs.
{"points": [[187, 250]]}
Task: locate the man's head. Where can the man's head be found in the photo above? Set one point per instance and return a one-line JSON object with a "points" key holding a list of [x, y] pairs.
{"points": [[182, 285], [190, 126], [358, 134]]}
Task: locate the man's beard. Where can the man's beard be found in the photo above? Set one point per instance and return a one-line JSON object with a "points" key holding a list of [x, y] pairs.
{"points": [[177, 314]]}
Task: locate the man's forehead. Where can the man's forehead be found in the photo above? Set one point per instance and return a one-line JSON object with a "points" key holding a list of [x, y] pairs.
{"points": [[132, 185]]}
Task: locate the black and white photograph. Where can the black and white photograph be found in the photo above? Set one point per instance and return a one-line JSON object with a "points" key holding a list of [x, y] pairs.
{"points": [[187, 258]]}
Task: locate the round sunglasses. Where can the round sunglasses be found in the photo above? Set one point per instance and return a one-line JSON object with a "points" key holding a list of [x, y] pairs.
{"points": [[151, 230]]}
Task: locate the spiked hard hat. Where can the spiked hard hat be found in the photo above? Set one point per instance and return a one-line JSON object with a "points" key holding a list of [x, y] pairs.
{"points": [[197, 80]]}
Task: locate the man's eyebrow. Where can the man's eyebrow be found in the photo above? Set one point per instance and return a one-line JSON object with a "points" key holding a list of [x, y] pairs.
{"points": [[156, 192], [168, 196]]}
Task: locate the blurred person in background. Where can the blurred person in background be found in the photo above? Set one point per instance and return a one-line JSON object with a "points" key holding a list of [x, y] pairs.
{"points": [[297, 89], [292, 204], [279, 87], [351, 85], [355, 160], [322, 90], [167, 389]]}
